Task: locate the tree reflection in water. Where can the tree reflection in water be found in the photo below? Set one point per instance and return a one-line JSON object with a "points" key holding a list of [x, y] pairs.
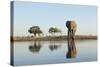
{"points": [[53, 46], [72, 52], [35, 48]]}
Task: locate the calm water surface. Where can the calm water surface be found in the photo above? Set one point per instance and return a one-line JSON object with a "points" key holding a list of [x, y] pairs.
{"points": [[48, 52]]}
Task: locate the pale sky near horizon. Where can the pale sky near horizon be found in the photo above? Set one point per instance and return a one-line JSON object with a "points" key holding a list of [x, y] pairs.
{"points": [[46, 15]]}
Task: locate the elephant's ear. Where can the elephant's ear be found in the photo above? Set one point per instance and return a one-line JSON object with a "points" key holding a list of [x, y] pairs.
{"points": [[68, 24]]}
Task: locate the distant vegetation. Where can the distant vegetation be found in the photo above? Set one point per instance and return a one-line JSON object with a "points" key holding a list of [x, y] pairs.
{"points": [[53, 30], [51, 38], [36, 30]]}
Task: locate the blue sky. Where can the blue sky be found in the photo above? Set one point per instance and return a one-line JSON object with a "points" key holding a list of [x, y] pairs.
{"points": [[46, 15]]}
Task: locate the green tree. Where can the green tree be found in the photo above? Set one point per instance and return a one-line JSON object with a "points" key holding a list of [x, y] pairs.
{"points": [[35, 30], [54, 30], [39, 32]]}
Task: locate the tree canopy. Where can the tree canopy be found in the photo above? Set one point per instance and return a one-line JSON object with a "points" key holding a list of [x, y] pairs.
{"points": [[53, 30], [35, 30]]}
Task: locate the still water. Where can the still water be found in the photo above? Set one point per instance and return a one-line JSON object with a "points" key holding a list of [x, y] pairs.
{"points": [[50, 52]]}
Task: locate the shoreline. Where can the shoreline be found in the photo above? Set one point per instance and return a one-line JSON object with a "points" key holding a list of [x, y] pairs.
{"points": [[52, 38]]}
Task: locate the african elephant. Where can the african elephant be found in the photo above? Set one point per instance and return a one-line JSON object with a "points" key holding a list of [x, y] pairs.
{"points": [[72, 26]]}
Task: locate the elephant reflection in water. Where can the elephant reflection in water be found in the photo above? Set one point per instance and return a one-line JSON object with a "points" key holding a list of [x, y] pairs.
{"points": [[72, 52], [71, 25], [35, 48]]}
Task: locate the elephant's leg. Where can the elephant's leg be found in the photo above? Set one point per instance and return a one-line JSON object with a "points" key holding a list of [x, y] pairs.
{"points": [[69, 38], [69, 34], [73, 34]]}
